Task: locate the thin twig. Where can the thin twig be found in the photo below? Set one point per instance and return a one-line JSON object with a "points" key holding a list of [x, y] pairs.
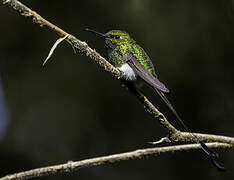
{"points": [[162, 140], [54, 47], [137, 154]]}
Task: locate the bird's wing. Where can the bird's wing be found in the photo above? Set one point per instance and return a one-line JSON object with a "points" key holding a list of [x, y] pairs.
{"points": [[143, 72]]}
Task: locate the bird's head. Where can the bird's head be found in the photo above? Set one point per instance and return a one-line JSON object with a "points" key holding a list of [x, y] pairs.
{"points": [[114, 38]]}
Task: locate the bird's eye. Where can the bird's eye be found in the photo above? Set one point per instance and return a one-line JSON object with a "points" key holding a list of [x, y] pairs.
{"points": [[117, 37]]}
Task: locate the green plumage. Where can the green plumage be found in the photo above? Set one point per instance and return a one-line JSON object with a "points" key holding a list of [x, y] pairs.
{"points": [[133, 61], [117, 47]]}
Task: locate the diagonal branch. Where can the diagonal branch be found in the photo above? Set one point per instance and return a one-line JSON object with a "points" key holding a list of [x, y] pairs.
{"points": [[85, 49], [174, 134], [137, 154]]}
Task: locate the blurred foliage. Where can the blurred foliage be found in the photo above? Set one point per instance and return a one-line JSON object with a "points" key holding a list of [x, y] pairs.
{"points": [[71, 109]]}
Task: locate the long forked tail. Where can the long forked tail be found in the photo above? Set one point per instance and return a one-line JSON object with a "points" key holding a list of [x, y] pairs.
{"points": [[212, 154]]}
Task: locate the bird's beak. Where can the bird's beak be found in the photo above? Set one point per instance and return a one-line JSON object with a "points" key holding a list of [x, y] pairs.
{"points": [[95, 32]]}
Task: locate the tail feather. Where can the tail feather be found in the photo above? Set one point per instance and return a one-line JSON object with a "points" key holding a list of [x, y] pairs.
{"points": [[168, 103], [212, 154]]}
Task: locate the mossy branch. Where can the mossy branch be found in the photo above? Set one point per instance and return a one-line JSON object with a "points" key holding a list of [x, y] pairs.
{"points": [[173, 135]]}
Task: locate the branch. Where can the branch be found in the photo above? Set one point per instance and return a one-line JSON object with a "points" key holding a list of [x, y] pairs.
{"points": [[174, 134], [137, 154], [91, 53]]}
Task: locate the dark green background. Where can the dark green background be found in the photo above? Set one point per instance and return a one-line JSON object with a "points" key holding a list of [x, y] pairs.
{"points": [[72, 109]]}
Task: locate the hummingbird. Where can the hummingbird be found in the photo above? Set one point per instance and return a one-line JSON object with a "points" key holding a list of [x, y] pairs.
{"points": [[131, 59]]}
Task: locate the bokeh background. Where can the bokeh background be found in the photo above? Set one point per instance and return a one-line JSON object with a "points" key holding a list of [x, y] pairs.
{"points": [[72, 109]]}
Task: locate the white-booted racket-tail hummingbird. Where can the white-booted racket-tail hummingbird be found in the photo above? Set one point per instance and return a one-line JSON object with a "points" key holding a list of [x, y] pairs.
{"points": [[131, 59]]}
